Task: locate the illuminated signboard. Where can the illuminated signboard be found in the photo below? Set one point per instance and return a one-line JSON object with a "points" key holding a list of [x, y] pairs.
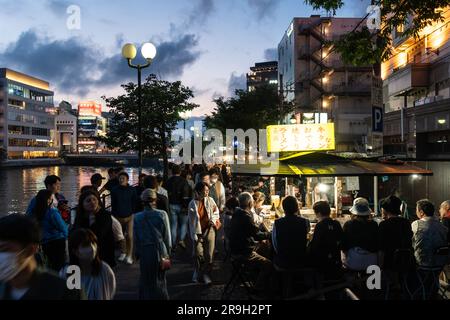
{"points": [[90, 109], [301, 137]]}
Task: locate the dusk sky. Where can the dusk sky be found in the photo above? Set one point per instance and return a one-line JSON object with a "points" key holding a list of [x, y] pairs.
{"points": [[207, 44]]}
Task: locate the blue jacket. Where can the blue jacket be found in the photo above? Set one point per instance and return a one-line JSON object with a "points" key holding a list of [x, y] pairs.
{"points": [[53, 227]]}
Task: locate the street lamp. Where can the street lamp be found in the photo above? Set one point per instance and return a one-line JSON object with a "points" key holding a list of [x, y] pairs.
{"points": [[185, 115], [129, 52]]}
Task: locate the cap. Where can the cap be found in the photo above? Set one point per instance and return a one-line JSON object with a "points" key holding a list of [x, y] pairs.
{"points": [[361, 207], [148, 195]]}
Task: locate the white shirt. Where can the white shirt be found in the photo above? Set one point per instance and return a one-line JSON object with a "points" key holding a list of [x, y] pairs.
{"points": [[163, 192]]}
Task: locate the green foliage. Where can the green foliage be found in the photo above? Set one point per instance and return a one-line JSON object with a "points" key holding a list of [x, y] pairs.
{"points": [[256, 109], [162, 102], [364, 46], [328, 5]]}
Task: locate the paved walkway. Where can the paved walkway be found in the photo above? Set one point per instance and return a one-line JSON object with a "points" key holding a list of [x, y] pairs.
{"points": [[179, 279]]}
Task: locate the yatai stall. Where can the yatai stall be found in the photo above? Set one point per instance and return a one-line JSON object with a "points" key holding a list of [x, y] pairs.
{"points": [[308, 171]]}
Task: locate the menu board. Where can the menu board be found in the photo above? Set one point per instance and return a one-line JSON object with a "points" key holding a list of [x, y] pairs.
{"points": [[301, 137]]}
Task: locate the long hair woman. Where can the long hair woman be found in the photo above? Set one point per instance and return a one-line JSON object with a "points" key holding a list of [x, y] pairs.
{"points": [[97, 278], [91, 215], [54, 230]]}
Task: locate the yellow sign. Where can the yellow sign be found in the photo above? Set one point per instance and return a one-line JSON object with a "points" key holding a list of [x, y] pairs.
{"points": [[301, 137]]}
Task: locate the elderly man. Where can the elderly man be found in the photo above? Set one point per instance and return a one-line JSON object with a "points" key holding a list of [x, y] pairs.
{"points": [[429, 235], [243, 236], [444, 212]]}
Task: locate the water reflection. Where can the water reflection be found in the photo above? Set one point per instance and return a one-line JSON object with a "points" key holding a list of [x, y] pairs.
{"points": [[19, 185]]}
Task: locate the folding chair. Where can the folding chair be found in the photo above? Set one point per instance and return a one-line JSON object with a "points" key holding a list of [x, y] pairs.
{"points": [[403, 261], [240, 275], [289, 277], [429, 275]]}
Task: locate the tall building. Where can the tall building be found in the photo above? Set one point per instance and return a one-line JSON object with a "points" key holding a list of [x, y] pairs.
{"points": [[66, 128], [27, 117], [263, 73], [91, 125], [416, 93], [313, 76]]}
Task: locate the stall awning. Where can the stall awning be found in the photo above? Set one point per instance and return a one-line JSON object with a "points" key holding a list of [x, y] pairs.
{"points": [[326, 165]]}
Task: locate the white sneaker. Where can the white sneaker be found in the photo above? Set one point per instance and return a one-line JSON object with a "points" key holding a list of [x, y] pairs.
{"points": [[195, 277], [129, 260], [206, 279], [122, 257]]}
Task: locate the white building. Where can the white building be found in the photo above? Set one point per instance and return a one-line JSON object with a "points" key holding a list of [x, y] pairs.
{"points": [[27, 117], [66, 127]]}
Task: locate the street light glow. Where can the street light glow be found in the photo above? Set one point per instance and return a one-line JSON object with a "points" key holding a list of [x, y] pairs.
{"points": [[129, 51], [148, 51]]}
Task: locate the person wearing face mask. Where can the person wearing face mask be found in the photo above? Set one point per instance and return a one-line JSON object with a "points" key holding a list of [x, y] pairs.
{"points": [[20, 278], [97, 278], [91, 215], [152, 244], [204, 220], [54, 230]]}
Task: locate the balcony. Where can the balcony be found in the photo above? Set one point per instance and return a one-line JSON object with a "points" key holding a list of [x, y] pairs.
{"points": [[412, 77]]}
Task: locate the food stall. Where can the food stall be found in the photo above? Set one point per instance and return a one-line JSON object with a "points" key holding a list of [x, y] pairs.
{"points": [[304, 154]]}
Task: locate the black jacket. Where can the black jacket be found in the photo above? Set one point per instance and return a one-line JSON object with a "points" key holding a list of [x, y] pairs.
{"points": [[289, 239], [362, 233], [44, 286], [102, 228], [325, 246], [243, 233], [178, 189], [394, 233], [123, 201]]}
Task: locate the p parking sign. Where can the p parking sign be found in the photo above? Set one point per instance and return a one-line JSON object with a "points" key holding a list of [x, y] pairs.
{"points": [[377, 119]]}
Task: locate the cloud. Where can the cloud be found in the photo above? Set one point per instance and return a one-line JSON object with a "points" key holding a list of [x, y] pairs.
{"points": [[263, 8], [271, 54], [76, 66], [200, 12], [58, 7], [237, 82]]}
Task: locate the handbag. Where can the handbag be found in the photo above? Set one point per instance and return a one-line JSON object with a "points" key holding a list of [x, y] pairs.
{"points": [[164, 260], [218, 225]]}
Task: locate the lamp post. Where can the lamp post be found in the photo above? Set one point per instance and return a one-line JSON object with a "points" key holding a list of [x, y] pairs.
{"points": [[129, 52], [185, 115]]}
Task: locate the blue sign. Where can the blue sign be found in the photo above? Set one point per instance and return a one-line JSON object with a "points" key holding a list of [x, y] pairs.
{"points": [[377, 119]]}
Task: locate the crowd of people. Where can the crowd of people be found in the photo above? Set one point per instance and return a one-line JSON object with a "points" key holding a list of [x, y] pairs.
{"points": [[195, 208]]}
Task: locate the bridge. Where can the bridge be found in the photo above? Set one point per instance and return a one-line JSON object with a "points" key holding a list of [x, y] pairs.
{"points": [[108, 159]]}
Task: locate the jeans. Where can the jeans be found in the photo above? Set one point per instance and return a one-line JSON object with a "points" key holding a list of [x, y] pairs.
{"points": [[178, 223]]}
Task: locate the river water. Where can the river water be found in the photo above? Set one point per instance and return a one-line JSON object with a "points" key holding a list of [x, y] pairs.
{"points": [[19, 185]]}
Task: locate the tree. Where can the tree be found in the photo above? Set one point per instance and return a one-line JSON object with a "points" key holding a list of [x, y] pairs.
{"points": [[248, 110], [371, 47], [162, 102]]}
